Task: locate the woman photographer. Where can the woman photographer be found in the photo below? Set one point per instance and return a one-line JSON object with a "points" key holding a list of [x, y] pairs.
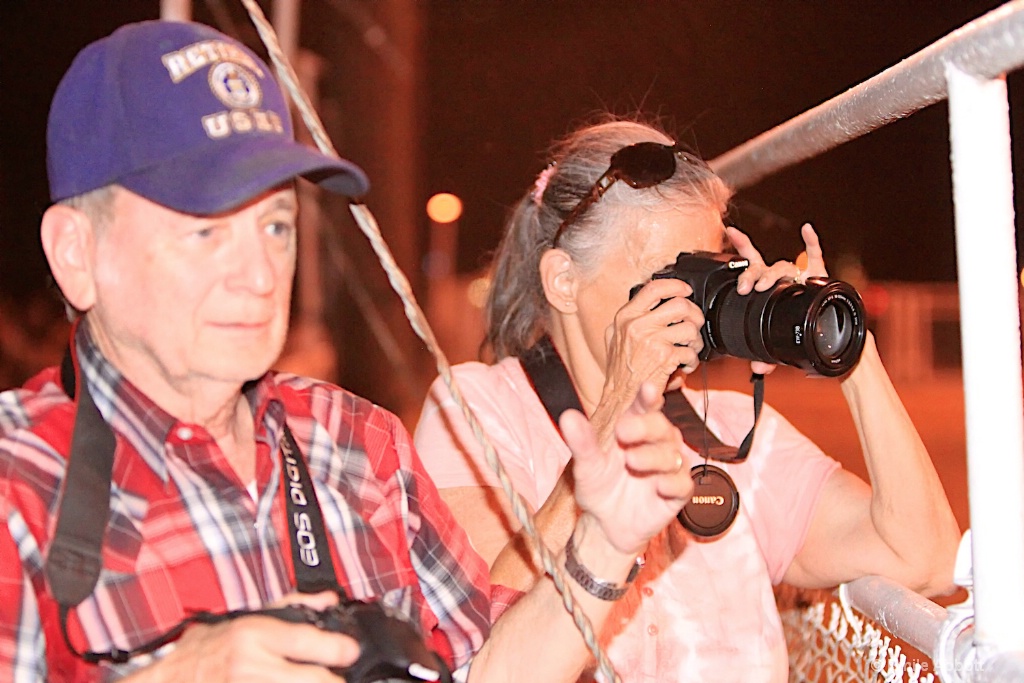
{"points": [[618, 202]]}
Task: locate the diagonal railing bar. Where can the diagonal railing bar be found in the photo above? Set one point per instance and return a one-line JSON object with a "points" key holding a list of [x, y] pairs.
{"points": [[987, 47]]}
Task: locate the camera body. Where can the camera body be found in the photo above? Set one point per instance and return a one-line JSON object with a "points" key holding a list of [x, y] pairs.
{"points": [[818, 325], [390, 648]]}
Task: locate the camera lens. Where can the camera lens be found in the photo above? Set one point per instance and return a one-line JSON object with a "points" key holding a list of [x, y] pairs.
{"points": [[833, 331], [817, 326]]}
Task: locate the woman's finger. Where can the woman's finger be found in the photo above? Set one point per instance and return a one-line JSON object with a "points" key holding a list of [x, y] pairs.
{"points": [[744, 247], [815, 257], [780, 270]]}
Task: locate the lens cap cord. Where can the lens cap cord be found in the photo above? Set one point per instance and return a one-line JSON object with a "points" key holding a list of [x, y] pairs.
{"points": [[715, 501]]}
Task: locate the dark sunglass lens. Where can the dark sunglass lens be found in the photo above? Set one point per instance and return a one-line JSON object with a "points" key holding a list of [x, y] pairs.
{"points": [[644, 164]]}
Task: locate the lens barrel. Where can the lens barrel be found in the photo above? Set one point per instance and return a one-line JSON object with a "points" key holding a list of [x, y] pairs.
{"points": [[817, 326]]}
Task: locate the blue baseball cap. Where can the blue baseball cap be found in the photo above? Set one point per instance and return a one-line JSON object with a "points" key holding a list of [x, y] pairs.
{"points": [[182, 115]]}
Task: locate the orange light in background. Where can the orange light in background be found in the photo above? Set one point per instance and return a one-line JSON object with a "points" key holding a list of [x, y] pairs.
{"points": [[801, 260], [1022, 278], [444, 207], [876, 300]]}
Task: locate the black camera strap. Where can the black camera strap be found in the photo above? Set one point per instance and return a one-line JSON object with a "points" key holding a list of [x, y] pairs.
{"points": [[311, 551], [551, 381], [74, 561], [699, 437], [554, 387], [716, 500]]}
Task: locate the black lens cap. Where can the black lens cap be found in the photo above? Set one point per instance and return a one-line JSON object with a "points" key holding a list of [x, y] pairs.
{"points": [[714, 504]]}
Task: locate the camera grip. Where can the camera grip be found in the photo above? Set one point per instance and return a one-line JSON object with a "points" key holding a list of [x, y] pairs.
{"points": [[390, 648]]}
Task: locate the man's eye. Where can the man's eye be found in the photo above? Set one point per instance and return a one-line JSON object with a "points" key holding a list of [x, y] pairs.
{"points": [[203, 233], [280, 228]]}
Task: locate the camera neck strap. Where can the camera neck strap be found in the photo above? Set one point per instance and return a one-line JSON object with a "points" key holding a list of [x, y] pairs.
{"points": [[550, 379], [311, 551], [699, 436], [553, 385], [74, 560]]}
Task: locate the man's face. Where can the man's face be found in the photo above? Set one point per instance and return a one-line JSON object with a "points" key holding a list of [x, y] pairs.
{"points": [[194, 299]]}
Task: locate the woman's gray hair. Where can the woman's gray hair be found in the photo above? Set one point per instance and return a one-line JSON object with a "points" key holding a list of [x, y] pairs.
{"points": [[517, 312]]}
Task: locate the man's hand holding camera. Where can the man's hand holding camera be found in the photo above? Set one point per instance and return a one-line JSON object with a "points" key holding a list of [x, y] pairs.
{"points": [[258, 648]]}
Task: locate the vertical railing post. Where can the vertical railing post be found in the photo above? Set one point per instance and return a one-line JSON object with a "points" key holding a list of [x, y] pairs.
{"points": [[176, 10], [991, 346]]}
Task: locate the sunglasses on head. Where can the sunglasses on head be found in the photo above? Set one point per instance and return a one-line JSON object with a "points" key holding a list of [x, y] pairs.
{"points": [[644, 164]]}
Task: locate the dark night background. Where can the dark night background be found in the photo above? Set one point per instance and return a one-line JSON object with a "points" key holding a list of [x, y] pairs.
{"points": [[498, 80]]}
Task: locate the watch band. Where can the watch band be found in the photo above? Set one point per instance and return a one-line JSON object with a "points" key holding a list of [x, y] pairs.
{"points": [[603, 590]]}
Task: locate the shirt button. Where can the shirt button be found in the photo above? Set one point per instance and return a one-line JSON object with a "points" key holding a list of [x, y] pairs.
{"points": [[652, 630], [185, 433], [648, 591]]}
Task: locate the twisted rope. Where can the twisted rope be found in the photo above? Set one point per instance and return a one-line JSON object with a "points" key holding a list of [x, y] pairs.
{"points": [[368, 225]]}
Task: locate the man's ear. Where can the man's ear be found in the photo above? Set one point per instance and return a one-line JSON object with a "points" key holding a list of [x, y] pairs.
{"points": [[560, 281], [68, 241]]}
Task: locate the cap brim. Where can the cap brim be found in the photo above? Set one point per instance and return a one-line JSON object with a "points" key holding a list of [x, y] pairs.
{"points": [[241, 170]]}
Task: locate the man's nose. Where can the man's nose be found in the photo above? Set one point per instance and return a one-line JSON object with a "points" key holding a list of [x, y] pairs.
{"points": [[253, 265]]}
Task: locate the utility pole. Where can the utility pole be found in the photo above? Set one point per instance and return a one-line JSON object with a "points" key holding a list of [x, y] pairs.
{"points": [[376, 72], [176, 10]]}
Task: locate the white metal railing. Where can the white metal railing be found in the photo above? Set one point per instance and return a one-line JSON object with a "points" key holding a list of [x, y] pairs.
{"points": [[968, 69]]}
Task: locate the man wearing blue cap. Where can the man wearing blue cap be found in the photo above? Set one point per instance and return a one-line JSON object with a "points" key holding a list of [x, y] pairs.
{"points": [[163, 486]]}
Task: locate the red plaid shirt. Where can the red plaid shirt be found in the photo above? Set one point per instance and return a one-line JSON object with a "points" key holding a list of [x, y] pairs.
{"points": [[185, 535]]}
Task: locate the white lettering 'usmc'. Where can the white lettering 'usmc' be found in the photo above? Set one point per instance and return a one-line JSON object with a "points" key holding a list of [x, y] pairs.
{"points": [[224, 123], [182, 63]]}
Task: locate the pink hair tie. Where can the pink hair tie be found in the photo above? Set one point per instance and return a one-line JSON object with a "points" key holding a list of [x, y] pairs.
{"points": [[541, 183]]}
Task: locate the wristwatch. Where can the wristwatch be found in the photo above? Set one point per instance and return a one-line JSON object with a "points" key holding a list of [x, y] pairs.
{"points": [[599, 588]]}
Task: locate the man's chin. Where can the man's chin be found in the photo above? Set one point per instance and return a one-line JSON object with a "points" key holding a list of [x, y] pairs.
{"points": [[238, 375], [239, 365]]}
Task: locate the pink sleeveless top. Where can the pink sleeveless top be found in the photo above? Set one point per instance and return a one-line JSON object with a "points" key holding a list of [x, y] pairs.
{"points": [[702, 610]]}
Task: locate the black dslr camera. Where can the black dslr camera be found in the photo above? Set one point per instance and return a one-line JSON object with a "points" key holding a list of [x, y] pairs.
{"points": [[817, 326], [390, 647]]}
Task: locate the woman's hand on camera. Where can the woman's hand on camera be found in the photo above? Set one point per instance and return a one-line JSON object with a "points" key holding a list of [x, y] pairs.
{"points": [[759, 276], [653, 335]]}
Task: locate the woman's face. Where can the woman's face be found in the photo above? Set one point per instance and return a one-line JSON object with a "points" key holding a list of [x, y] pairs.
{"points": [[648, 241]]}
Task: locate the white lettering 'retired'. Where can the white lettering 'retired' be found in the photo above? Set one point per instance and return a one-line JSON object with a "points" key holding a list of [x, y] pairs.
{"points": [[182, 63]]}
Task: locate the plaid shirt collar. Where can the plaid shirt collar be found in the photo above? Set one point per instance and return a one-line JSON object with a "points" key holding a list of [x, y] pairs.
{"points": [[148, 426]]}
